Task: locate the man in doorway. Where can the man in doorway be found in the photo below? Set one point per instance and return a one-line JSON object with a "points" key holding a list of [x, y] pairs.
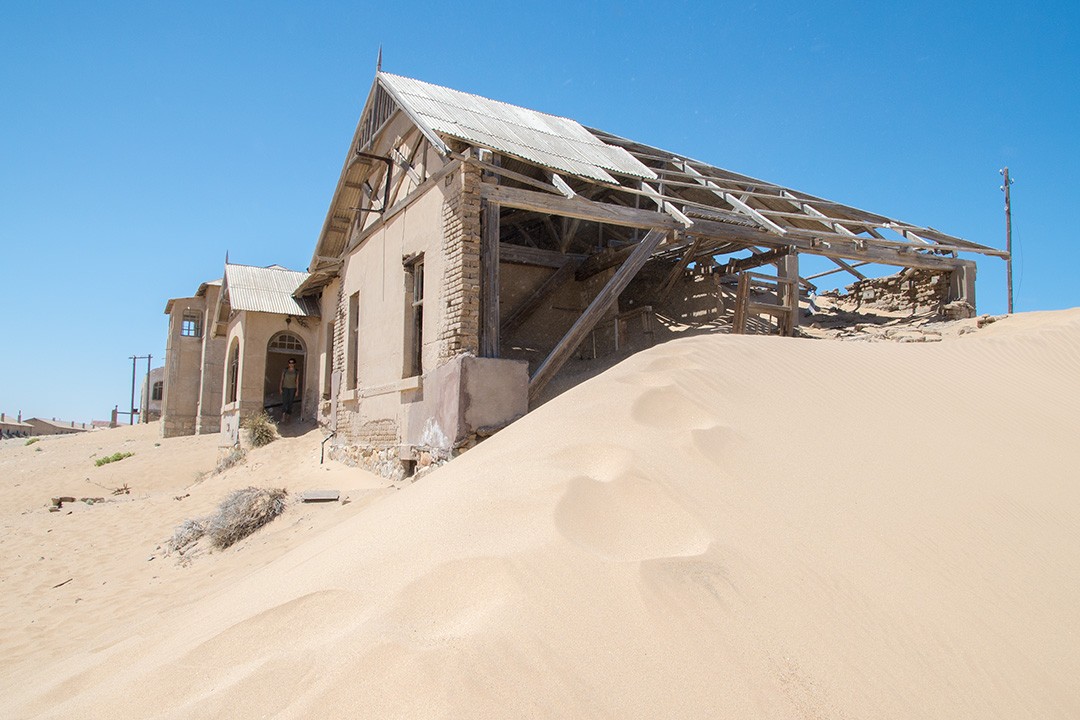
{"points": [[289, 387]]}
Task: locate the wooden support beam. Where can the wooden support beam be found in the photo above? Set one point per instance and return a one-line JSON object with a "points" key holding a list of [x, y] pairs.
{"points": [[815, 276], [849, 268], [489, 279], [596, 309], [734, 267], [679, 269], [578, 208], [517, 317]]}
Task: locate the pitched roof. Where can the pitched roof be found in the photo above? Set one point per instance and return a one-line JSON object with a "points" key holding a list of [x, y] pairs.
{"points": [[554, 142], [267, 289]]}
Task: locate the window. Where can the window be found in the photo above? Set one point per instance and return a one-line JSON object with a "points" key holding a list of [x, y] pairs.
{"points": [[233, 373], [414, 316], [286, 343], [353, 366], [191, 324], [159, 387]]}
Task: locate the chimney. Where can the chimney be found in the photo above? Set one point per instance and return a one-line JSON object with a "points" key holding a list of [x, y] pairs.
{"points": [[1, 417], [20, 416]]}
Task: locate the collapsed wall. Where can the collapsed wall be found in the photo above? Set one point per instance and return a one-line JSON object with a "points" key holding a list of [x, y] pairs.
{"points": [[911, 291]]}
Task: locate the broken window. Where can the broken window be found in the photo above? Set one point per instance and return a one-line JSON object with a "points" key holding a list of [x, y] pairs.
{"points": [[191, 324], [159, 388]]}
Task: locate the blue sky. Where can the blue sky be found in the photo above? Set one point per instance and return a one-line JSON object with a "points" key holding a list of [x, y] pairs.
{"points": [[140, 141]]}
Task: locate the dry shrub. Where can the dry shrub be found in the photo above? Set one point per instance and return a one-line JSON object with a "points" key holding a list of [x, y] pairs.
{"points": [[261, 429], [242, 513], [186, 534], [235, 457]]}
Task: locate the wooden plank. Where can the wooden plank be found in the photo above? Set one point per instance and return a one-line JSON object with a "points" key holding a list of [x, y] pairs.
{"points": [[565, 189], [849, 268], [517, 317], [596, 309], [578, 208], [521, 255], [815, 276], [499, 170], [489, 279]]}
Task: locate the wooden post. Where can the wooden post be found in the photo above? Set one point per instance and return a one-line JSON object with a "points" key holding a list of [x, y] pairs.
{"points": [[600, 305], [489, 279], [788, 269], [1008, 235]]}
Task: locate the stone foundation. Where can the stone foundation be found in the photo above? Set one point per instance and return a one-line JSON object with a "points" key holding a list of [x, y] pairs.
{"points": [[174, 426]]}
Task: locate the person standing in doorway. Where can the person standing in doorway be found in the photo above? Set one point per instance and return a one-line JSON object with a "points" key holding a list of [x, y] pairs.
{"points": [[289, 387]]}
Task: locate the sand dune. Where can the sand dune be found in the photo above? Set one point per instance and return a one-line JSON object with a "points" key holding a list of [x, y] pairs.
{"points": [[718, 527]]}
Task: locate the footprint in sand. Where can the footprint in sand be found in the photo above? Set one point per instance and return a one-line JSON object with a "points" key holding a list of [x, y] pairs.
{"points": [[669, 408], [714, 442], [627, 519]]}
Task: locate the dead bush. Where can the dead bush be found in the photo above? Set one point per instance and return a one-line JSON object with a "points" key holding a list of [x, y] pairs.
{"points": [[235, 457], [261, 429], [186, 534], [242, 513]]}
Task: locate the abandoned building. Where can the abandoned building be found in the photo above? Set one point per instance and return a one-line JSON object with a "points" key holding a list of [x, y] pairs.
{"points": [[11, 427], [476, 257], [228, 346], [473, 248]]}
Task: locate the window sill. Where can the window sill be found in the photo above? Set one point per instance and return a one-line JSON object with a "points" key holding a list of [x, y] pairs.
{"points": [[404, 385]]}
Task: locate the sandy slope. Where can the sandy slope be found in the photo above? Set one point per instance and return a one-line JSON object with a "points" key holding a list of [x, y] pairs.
{"points": [[719, 527]]}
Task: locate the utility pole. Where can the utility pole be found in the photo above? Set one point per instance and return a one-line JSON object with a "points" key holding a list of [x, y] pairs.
{"points": [[134, 360], [1008, 235]]}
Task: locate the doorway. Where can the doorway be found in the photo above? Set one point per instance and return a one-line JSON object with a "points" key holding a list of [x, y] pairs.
{"points": [[283, 347]]}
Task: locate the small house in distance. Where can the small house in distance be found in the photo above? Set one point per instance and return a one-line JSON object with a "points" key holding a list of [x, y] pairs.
{"points": [[473, 250]]}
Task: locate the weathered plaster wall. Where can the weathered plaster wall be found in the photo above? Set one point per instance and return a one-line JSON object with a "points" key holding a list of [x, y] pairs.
{"points": [[183, 371], [213, 359]]}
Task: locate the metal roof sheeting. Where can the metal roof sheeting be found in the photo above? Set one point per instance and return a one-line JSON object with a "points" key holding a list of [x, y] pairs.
{"points": [[551, 141], [267, 289]]}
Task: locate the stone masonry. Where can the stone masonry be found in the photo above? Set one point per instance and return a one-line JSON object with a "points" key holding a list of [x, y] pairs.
{"points": [[912, 290]]}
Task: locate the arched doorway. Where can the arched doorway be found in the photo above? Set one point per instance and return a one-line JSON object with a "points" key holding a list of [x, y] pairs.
{"points": [[282, 347]]}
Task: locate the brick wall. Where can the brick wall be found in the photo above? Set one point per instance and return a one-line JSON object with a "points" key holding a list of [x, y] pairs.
{"points": [[459, 331]]}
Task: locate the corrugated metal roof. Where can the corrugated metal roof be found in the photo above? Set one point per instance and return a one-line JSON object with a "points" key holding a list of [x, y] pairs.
{"points": [[554, 142], [269, 289]]}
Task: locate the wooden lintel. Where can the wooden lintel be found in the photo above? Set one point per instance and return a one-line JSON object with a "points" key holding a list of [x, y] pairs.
{"points": [[596, 309]]}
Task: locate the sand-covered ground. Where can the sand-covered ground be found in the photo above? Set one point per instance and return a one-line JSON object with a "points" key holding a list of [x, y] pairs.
{"points": [[719, 527]]}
